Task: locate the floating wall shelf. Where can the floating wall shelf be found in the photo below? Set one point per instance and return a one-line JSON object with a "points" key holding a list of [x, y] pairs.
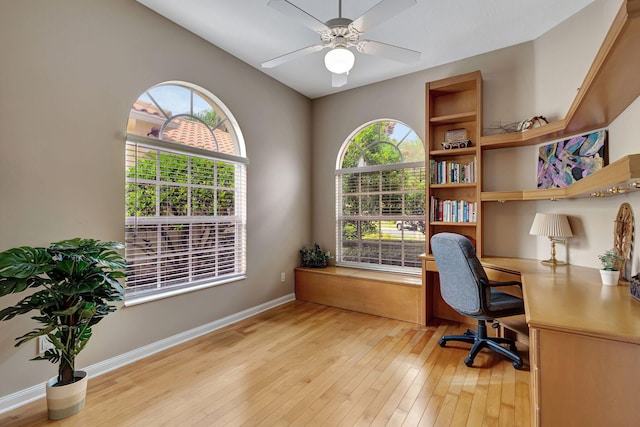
{"points": [[611, 85]]}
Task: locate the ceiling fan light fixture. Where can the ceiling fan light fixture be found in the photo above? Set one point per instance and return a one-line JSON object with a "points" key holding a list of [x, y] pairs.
{"points": [[339, 60]]}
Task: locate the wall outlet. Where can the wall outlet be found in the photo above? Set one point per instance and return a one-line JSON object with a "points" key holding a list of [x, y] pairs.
{"points": [[282, 276], [43, 345]]}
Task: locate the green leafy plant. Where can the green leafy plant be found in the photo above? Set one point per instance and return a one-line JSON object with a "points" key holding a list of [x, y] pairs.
{"points": [[314, 256], [75, 280], [610, 260]]}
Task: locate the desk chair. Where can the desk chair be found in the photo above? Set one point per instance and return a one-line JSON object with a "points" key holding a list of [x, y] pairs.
{"points": [[465, 287]]}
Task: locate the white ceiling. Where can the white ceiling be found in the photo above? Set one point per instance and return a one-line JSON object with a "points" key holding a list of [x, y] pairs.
{"points": [[443, 30]]}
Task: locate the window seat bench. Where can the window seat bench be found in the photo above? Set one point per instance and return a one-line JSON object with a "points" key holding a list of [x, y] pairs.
{"points": [[393, 295]]}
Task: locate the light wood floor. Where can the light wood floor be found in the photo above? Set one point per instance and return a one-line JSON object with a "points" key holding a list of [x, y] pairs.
{"points": [[304, 364]]}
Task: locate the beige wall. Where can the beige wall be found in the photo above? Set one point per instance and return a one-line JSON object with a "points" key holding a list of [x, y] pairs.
{"points": [[564, 54], [70, 72], [539, 77]]}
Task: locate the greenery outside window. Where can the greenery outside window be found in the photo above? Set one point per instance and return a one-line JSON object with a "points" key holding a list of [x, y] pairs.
{"points": [[185, 194], [380, 193]]}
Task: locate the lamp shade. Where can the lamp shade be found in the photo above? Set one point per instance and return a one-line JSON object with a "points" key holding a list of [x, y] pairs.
{"points": [[339, 60], [551, 225]]}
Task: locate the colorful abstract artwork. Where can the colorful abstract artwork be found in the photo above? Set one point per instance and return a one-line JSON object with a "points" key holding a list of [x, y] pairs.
{"points": [[564, 162]]}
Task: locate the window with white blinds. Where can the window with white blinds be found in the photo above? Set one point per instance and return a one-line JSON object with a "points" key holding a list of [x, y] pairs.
{"points": [[380, 193], [185, 225]]}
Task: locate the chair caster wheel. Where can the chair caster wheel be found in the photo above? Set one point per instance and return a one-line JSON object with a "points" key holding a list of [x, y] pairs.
{"points": [[469, 361], [441, 342], [517, 364]]}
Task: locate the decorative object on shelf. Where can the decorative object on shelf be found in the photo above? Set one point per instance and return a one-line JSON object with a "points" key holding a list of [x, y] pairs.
{"points": [[451, 145], [74, 281], [551, 226], [623, 231], [498, 128], [314, 256], [456, 138], [610, 263], [532, 123], [634, 286], [455, 135], [562, 163]]}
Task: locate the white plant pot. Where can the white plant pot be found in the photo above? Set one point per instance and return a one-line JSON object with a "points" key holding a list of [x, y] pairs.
{"points": [[609, 278], [65, 401]]}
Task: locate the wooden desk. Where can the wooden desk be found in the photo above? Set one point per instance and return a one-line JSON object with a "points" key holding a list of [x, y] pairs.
{"points": [[584, 343]]}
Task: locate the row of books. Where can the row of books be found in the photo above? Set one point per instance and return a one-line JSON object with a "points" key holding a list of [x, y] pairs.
{"points": [[452, 210], [447, 172]]}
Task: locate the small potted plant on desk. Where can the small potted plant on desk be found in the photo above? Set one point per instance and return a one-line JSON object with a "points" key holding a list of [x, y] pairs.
{"points": [[74, 282], [314, 256], [610, 266]]}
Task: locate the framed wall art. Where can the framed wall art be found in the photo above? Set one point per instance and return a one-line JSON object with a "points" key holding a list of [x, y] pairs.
{"points": [[564, 162]]}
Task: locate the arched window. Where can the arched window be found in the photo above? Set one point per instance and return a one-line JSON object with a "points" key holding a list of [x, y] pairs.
{"points": [[185, 193], [380, 186]]}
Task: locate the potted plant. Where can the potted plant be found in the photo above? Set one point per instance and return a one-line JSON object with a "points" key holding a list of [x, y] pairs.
{"points": [[74, 282], [314, 256], [610, 266]]}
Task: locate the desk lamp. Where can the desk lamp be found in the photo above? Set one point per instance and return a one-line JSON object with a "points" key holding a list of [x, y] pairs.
{"points": [[552, 226]]}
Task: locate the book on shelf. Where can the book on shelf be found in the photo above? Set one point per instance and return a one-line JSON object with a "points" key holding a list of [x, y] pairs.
{"points": [[452, 210], [448, 172]]}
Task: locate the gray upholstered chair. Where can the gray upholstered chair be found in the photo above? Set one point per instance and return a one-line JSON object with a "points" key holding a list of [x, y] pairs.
{"points": [[465, 287]]}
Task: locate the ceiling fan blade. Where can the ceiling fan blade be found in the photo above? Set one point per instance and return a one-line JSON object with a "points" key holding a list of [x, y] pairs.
{"points": [[298, 14], [390, 51], [338, 80], [379, 13], [292, 55]]}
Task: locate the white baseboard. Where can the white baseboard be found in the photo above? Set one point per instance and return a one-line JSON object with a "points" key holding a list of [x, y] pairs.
{"points": [[22, 397]]}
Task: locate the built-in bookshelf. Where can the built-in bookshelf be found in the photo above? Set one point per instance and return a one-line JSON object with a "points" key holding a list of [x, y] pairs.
{"points": [[454, 107]]}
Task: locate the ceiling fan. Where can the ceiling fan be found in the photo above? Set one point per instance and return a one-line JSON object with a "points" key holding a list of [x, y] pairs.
{"points": [[340, 34]]}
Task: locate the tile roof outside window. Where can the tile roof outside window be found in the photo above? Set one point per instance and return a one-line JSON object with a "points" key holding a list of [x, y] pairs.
{"points": [[147, 119]]}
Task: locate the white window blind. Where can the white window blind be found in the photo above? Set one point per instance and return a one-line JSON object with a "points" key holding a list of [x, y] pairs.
{"points": [[185, 221], [380, 216]]}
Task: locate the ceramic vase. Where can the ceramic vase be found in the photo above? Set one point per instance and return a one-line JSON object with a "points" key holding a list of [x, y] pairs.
{"points": [[67, 400], [609, 278]]}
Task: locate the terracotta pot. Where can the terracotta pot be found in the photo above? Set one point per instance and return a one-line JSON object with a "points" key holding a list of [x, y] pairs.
{"points": [[65, 401]]}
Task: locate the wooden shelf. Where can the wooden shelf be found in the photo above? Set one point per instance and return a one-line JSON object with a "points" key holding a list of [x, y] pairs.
{"points": [[453, 152], [519, 139], [449, 186], [454, 118], [610, 86], [619, 177], [455, 84], [455, 224]]}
